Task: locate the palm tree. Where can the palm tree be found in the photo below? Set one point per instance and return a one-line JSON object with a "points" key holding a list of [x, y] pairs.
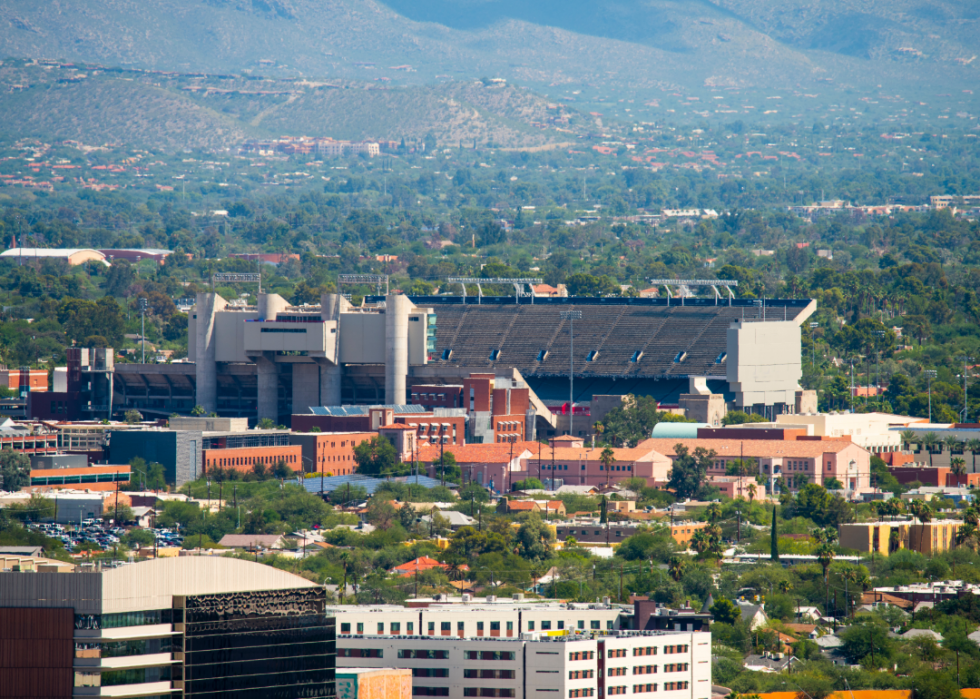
{"points": [[607, 457], [751, 490], [922, 512], [825, 555], [952, 443], [908, 437], [675, 568], [929, 441], [894, 539], [974, 446], [713, 512], [957, 466], [968, 535], [701, 542], [785, 586], [347, 561]]}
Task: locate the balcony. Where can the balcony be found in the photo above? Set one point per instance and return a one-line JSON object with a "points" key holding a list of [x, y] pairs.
{"points": [[125, 633], [145, 689], [123, 662]]}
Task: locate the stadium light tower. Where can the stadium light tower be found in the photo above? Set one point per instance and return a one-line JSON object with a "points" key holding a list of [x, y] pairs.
{"points": [[571, 317]]}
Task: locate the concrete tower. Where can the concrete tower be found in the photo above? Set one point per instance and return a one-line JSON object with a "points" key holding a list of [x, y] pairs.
{"points": [[206, 367], [331, 374], [397, 308]]}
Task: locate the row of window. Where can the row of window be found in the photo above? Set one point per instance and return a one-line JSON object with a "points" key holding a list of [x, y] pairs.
{"points": [[616, 690], [471, 674], [395, 627], [360, 653], [669, 650], [586, 692], [430, 691], [643, 688], [430, 672], [581, 674], [422, 654], [489, 655], [488, 692], [646, 650], [582, 655], [645, 670], [617, 653], [671, 686], [617, 671], [677, 667]]}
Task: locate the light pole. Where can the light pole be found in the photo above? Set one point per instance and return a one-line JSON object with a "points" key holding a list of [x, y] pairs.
{"points": [[571, 317], [143, 327], [963, 415], [878, 334], [930, 375], [813, 344]]}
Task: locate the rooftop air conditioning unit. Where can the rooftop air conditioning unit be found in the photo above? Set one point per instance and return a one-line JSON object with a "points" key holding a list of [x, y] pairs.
{"points": [[491, 598], [606, 600], [518, 596], [466, 597]]}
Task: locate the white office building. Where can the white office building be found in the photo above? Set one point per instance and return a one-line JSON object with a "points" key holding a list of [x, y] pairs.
{"points": [[675, 665]]}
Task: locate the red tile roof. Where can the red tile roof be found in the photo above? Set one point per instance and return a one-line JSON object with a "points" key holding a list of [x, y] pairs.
{"points": [[753, 448], [421, 564], [477, 453]]}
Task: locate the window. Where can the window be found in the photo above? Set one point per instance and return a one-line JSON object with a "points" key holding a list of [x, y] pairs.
{"points": [[495, 626], [561, 625], [446, 626], [671, 686], [609, 624], [530, 626], [649, 650], [643, 688], [471, 674], [430, 691], [489, 654], [430, 672], [587, 692], [479, 627], [345, 627], [432, 627], [396, 627], [283, 330], [619, 653], [617, 671], [360, 627], [582, 655], [670, 650], [581, 674], [360, 652], [423, 654], [594, 624], [616, 690], [510, 626], [546, 625], [677, 667], [487, 692], [381, 627], [460, 626], [645, 670], [410, 627], [581, 624]]}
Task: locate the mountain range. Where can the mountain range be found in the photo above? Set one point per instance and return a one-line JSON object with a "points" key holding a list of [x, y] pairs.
{"points": [[550, 45]]}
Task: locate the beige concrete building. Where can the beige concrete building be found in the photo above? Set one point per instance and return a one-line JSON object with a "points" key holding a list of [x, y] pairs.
{"points": [[876, 432], [884, 538]]}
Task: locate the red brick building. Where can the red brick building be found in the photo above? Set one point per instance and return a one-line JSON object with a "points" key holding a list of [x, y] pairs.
{"points": [[934, 476], [431, 429], [436, 396], [245, 458], [24, 379], [330, 453]]}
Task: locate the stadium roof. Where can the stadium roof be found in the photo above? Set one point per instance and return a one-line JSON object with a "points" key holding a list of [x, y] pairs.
{"points": [[622, 339]]}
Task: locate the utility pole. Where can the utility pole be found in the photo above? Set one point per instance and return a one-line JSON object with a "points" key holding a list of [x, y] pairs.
{"points": [[571, 317], [143, 327], [813, 344], [930, 375], [620, 582]]}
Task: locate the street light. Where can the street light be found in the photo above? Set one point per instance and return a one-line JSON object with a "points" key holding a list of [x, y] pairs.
{"points": [[571, 317], [965, 411], [930, 375], [143, 327], [813, 344]]}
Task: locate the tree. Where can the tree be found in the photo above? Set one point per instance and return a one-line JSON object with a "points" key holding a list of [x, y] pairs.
{"points": [[376, 457], [36, 509], [774, 538], [137, 538], [713, 512], [751, 491], [929, 441], [607, 458], [908, 438], [689, 473], [738, 417], [447, 469], [198, 411], [921, 511], [266, 423], [833, 484], [381, 513], [933, 684], [15, 470], [957, 466], [133, 417], [676, 567], [603, 511], [282, 470], [974, 446], [724, 611], [534, 539]]}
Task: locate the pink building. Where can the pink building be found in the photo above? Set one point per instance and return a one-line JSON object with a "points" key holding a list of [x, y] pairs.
{"points": [[806, 460], [574, 463], [496, 464]]}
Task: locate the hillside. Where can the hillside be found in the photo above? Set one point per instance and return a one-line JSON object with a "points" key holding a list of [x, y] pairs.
{"points": [[606, 44], [98, 106]]}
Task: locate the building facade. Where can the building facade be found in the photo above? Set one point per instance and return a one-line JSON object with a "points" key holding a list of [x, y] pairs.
{"points": [[329, 452], [197, 626]]}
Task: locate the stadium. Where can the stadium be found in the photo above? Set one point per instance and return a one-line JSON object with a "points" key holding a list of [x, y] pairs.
{"points": [[276, 360]]}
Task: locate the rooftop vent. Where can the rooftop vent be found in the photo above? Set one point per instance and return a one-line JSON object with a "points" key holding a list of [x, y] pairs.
{"points": [[494, 354], [720, 359], [681, 356], [542, 355], [592, 356], [446, 354], [636, 356]]}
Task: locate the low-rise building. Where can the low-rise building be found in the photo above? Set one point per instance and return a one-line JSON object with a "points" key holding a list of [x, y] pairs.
{"points": [[672, 664], [876, 432], [163, 626], [886, 537], [24, 379]]}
